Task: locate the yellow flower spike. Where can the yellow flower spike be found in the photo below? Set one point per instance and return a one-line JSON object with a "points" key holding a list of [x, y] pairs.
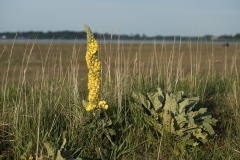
{"points": [[94, 67]]}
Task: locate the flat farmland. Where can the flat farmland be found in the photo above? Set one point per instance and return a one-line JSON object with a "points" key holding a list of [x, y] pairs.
{"points": [[130, 58]]}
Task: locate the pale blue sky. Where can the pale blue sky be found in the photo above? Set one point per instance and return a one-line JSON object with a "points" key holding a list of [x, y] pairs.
{"points": [[149, 17]]}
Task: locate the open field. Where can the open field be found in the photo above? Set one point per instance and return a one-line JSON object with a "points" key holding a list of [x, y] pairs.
{"points": [[150, 58], [43, 85]]}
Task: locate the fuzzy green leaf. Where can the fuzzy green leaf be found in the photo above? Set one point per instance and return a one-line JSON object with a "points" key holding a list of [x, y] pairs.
{"points": [[192, 102], [170, 104], [160, 95], [182, 105], [210, 120], [198, 134], [142, 99], [208, 128], [153, 97], [179, 95], [180, 120], [84, 103]]}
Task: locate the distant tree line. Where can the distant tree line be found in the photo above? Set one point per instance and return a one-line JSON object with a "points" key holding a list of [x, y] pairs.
{"points": [[82, 35], [45, 35], [237, 36]]}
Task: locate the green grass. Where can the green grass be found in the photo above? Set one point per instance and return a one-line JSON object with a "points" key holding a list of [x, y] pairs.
{"points": [[43, 85]]}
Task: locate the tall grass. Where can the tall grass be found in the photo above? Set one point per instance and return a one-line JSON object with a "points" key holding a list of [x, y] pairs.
{"points": [[43, 106]]}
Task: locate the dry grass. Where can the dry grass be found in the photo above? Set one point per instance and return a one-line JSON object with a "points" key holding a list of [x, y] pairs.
{"points": [[149, 59]]}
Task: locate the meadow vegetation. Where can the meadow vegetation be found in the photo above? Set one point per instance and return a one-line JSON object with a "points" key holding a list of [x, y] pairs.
{"points": [[43, 85]]}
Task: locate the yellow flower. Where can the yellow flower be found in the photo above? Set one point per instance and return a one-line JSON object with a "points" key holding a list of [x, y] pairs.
{"points": [[94, 67], [103, 104]]}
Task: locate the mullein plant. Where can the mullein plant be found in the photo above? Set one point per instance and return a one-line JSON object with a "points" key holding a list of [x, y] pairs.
{"points": [[97, 129], [179, 115], [94, 79]]}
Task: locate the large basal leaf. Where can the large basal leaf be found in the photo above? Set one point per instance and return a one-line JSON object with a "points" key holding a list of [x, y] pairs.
{"points": [[153, 97], [192, 102], [182, 105], [140, 98], [170, 104], [180, 116]]}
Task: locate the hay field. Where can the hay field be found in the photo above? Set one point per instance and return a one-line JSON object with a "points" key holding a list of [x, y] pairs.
{"points": [[145, 58]]}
